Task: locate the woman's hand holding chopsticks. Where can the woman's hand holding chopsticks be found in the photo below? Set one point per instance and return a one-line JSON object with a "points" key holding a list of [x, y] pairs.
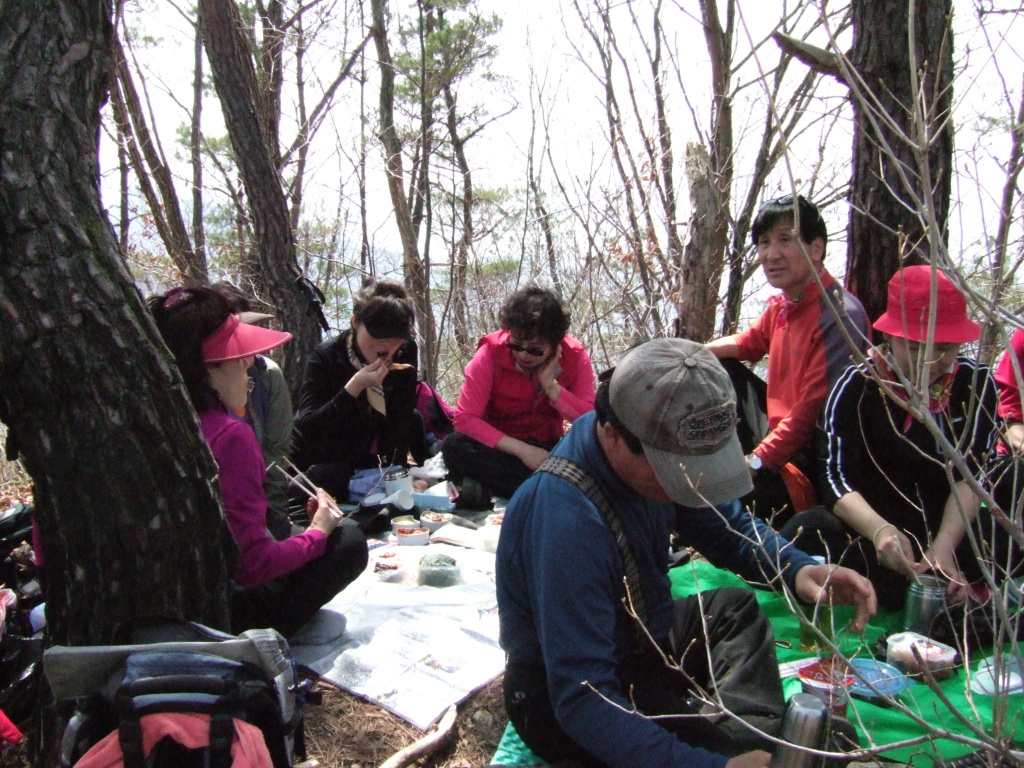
{"points": [[320, 503], [322, 511]]}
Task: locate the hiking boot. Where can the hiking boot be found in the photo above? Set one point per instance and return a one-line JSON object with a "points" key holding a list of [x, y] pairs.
{"points": [[473, 495]]}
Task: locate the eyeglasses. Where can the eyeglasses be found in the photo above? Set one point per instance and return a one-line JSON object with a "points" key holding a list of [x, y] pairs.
{"points": [[530, 350]]}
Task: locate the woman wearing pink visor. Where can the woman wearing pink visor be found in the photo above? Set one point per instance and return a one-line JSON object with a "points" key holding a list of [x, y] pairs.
{"points": [[279, 584]]}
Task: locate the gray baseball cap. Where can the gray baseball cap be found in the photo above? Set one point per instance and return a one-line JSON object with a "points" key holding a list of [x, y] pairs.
{"points": [[677, 399]]}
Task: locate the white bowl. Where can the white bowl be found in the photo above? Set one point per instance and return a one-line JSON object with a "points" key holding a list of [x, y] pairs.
{"points": [[417, 537], [404, 521], [434, 520]]}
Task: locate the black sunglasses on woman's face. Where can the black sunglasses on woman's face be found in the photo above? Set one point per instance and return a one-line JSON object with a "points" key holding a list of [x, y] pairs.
{"points": [[534, 351]]}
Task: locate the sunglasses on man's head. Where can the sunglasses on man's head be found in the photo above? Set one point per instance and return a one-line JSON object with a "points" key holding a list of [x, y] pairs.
{"points": [[787, 201], [531, 350]]}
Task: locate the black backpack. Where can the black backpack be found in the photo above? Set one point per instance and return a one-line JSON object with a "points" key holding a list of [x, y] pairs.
{"points": [[180, 668]]}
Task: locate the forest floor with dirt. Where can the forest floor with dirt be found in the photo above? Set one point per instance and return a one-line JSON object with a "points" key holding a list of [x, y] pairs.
{"points": [[346, 732]]}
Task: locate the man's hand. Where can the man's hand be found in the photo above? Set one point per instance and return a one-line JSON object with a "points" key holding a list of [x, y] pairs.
{"points": [[756, 759], [838, 585]]}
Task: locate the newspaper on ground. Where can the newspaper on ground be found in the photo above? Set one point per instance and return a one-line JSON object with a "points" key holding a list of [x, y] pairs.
{"points": [[414, 650]]}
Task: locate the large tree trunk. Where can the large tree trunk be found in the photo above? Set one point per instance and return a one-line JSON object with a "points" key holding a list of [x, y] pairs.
{"points": [[703, 254], [710, 176], [196, 145], [124, 485], [235, 78], [885, 230]]}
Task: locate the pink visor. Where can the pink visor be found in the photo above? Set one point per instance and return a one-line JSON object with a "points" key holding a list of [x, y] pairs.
{"points": [[235, 340]]}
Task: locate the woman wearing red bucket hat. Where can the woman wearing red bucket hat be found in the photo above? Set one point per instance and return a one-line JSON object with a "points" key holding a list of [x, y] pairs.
{"points": [[885, 475], [278, 584]]}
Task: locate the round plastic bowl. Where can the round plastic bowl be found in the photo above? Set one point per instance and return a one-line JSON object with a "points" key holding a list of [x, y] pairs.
{"points": [[412, 537], [404, 521], [434, 520], [887, 681]]}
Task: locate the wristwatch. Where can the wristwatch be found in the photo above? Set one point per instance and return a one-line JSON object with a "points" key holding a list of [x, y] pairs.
{"points": [[754, 462]]}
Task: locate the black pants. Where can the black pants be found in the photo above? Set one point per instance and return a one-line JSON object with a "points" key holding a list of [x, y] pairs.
{"points": [[496, 470], [769, 499], [289, 601], [743, 661], [819, 532]]}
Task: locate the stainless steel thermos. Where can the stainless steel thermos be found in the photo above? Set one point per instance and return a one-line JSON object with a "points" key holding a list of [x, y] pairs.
{"points": [[803, 725]]}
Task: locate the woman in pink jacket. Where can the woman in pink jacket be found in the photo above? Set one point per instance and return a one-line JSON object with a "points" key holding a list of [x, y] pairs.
{"points": [[279, 584], [522, 385]]}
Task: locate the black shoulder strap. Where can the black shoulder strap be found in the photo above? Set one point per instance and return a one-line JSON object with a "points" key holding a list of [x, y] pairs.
{"points": [[569, 470]]}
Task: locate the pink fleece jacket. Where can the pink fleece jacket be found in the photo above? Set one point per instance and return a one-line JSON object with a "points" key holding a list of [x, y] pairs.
{"points": [[240, 461], [499, 399]]}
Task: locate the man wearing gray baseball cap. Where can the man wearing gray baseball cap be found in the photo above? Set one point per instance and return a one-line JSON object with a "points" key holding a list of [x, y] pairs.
{"points": [[587, 534]]}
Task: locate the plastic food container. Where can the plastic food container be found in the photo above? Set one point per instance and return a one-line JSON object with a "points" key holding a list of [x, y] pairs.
{"points": [[937, 658], [829, 680], [387, 566], [877, 681], [439, 575], [439, 571], [412, 537], [404, 521], [434, 520]]}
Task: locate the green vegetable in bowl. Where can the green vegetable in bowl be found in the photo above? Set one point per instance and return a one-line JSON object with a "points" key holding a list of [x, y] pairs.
{"points": [[437, 561]]}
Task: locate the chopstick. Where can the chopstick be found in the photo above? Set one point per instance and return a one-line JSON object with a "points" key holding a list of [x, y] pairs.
{"points": [[302, 482]]}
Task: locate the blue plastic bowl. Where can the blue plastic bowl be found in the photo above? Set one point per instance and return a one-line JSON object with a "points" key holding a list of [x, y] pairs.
{"points": [[888, 681]]}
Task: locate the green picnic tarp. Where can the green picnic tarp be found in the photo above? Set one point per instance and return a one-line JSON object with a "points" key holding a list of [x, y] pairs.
{"points": [[877, 725]]}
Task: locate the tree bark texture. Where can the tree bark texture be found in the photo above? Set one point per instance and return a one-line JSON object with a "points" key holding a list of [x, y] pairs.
{"points": [[704, 252], [234, 76], [196, 145], [885, 227], [125, 492]]}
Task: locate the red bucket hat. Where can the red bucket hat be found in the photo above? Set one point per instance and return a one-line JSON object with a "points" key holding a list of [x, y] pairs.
{"points": [[235, 340], [906, 313]]}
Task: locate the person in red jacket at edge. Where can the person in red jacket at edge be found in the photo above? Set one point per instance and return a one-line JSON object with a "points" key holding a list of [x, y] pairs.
{"points": [[524, 383], [809, 332]]}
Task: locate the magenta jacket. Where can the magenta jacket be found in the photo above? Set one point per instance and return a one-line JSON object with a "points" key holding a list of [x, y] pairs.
{"points": [[240, 461], [499, 399]]}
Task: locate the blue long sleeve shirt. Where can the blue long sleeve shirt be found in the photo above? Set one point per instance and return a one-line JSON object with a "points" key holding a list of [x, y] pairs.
{"points": [[559, 587]]}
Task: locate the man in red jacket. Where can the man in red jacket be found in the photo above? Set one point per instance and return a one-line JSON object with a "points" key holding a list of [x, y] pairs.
{"points": [[809, 333]]}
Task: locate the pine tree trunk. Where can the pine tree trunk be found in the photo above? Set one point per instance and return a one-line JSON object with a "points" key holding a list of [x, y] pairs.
{"points": [[885, 231], [125, 492], [235, 78]]}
